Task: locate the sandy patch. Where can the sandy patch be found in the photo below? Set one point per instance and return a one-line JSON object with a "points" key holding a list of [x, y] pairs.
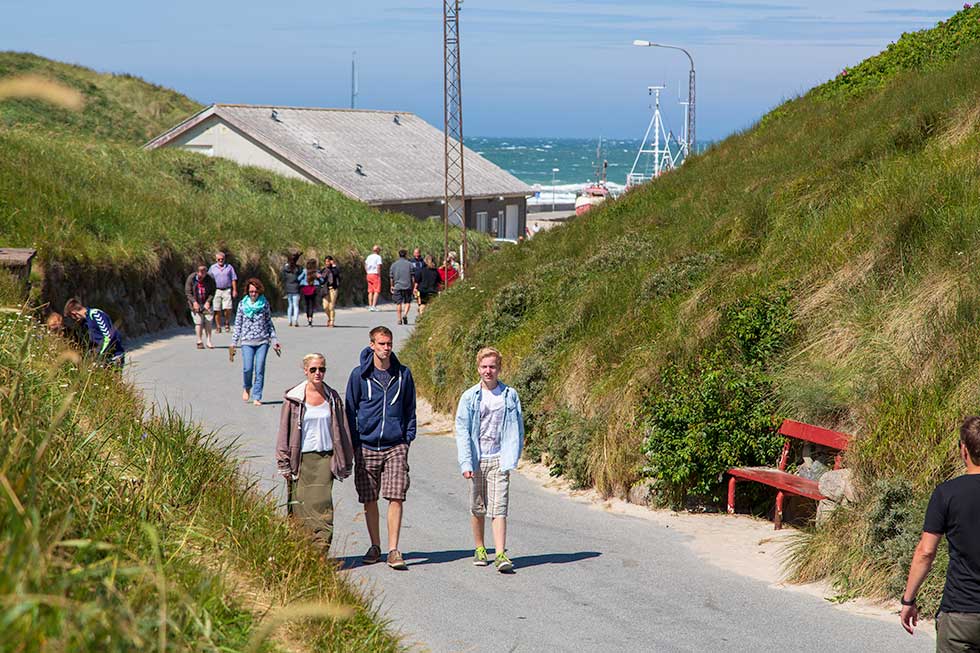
{"points": [[432, 422]]}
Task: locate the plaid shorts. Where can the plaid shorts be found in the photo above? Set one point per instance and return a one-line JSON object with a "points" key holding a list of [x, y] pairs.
{"points": [[381, 472], [489, 489]]}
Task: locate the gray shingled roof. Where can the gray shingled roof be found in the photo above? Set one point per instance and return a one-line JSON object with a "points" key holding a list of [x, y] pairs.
{"points": [[400, 160]]}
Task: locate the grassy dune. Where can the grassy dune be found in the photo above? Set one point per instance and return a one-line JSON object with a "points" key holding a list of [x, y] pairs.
{"points": [[122, 531], [121, 222], [120, 108], [823, 266]]}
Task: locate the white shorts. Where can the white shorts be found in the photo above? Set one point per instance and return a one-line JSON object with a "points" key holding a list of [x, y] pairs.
{"points": [[200, 316], [489, 489], [222, 299]]}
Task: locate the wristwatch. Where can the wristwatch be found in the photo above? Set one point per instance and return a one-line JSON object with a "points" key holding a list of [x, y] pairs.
{"points": [[904, 602]]}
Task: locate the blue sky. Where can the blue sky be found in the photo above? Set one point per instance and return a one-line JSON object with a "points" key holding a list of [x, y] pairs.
{"points": [[530, 67]]}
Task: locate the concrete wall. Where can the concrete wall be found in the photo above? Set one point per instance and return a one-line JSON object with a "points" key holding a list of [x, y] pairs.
{"points": [[493, 207], [214, 137]]}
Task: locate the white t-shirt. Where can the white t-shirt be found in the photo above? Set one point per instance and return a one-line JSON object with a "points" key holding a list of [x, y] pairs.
{"points": [[316, 428], [372, 264], [491, 418]]}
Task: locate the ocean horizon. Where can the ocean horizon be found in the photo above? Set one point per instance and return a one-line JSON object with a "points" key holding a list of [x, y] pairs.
{"points": [[531, 159]]}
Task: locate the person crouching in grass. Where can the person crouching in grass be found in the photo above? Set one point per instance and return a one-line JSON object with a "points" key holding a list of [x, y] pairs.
{"points": [[104, 340], [489, 440]]}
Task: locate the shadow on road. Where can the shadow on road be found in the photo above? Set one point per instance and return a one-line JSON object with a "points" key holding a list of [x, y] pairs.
{"points": [[522, 562], [417, 558]]}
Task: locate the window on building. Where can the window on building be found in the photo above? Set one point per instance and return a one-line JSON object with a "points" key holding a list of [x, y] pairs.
{"points": [[499, 222], [481, 221], [207, 150]]}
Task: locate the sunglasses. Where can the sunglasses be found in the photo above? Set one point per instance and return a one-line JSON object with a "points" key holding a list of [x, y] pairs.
{"points": [[314, 370]]}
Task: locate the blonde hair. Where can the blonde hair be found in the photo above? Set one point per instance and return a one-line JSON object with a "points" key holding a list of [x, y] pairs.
{"points": [[489, 351], [309, 358]]}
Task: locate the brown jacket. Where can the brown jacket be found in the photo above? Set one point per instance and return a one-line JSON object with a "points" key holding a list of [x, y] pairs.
{"points": [[289, 440]]}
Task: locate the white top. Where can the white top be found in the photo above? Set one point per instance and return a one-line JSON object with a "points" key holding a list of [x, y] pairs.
{"points": [[491, 418], [372, 264], [316, 428]]}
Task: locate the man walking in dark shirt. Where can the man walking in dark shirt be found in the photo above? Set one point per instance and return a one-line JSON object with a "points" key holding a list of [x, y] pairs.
{"points": [[954, 511]]}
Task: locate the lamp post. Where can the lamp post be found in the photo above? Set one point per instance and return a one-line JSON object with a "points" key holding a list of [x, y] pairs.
{"points": [[554, 171], [691, 140]]}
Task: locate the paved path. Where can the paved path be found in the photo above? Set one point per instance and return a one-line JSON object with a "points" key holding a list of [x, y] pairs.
{"points": [[586, 580]]}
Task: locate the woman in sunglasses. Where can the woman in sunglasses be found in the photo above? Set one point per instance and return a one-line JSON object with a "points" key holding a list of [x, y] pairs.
{"points": [[313, 447]]}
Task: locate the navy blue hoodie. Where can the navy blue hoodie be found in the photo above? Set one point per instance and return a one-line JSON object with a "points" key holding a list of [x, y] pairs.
{"points": [[380, 417]]}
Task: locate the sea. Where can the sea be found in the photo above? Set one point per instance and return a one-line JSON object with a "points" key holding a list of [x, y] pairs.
{"points": [[532, 160]]}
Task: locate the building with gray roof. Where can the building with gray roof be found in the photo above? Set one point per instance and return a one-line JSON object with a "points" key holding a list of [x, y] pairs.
{"points": [[390, 160]]}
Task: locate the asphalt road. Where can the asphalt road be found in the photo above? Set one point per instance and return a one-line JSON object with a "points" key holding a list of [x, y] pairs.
{"points": [[586, 579]]}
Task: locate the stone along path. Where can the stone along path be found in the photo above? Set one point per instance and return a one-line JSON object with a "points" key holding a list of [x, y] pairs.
{"points": [[585, 579]]}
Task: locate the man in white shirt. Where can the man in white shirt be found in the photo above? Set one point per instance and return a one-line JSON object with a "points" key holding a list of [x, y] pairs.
{"points": [[372, 269]]}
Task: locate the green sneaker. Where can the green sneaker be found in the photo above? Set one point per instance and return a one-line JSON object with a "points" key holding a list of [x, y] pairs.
{"points": [[480, 557], [503, 563]]}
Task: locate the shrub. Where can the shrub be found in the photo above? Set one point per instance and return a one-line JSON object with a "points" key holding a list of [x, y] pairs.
{"points": [[505, 313], [719, 411], [567, 438]]}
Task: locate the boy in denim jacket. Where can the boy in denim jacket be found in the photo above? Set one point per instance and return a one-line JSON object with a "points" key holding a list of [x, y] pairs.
{"points": [[489, 439]]}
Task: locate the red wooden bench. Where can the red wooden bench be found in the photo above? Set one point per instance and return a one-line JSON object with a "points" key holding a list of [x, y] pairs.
{"points": [[778, 477]]}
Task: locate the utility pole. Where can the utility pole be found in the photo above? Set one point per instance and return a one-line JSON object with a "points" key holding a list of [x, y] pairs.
{"points": [[454, 199], [689, 145], [353, 80]]}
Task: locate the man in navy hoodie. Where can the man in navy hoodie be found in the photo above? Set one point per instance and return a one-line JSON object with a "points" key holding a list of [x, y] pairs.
{"points": [[380, 409]]}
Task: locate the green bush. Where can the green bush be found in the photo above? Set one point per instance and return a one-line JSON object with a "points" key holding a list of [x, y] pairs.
{"points": [[912, 51], [719, 411], [567, 438], [504, 314]]}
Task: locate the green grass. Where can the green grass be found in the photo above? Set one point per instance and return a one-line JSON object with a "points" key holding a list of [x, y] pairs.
{"points": [[862, 205], [124, 531], [120, 108], [110, 220], [114, 205]]}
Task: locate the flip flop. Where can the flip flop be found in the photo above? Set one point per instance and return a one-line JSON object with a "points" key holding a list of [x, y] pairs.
{"points": [[200, 345]]}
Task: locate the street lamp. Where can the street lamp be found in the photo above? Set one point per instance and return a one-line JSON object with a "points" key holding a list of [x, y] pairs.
{"points": [[554, 171], [689, 145]]}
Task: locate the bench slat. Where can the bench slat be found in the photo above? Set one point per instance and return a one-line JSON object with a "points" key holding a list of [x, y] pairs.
{"points": [[780, 480], [816, 434]]}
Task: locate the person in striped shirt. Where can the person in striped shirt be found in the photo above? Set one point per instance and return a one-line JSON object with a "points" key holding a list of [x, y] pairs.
{"points": [[104, 340]]}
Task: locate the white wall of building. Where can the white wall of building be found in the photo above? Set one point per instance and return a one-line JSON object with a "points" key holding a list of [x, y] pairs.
{"points": [[214, 137]]}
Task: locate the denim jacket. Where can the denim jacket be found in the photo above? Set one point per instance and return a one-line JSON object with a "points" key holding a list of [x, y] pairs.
{"points": [[468, 429]]}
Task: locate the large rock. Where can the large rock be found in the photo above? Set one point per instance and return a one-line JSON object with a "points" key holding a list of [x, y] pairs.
{"points": [[642, 493], [824, 509], [836, 485]]}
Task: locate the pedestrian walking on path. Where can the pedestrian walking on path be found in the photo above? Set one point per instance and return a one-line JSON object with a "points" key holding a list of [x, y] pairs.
{"points": [[429, 283], [199, 289], [226, 283], [313, 447], [104, 340], [953, 511], [309, 284], [489, 440], [402, 282], [372, 270], [290, 288], [381, 416], [329, 287], [254, 332], [418, 264]]}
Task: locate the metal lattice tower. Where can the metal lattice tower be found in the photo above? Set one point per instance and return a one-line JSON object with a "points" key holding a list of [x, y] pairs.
{"points": [[455, 189]]}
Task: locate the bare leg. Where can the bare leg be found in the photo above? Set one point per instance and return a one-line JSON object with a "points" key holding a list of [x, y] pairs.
{"points": [[394, 523], [371, 518], [499, 534], [207, 330], [217, 319], [478, 524], [227, 318], [199, 331]]}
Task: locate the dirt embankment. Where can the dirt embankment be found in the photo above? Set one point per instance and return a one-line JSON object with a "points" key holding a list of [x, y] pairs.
{"points": [[142, 300]]}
